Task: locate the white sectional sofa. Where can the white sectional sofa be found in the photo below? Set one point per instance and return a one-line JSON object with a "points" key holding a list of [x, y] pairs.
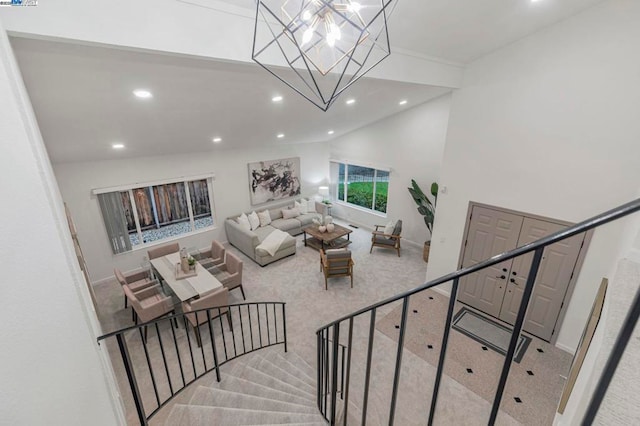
{"points": [[247, 241]]}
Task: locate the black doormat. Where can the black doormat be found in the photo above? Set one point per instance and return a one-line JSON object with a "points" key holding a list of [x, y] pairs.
{"points": [[490, 333]]}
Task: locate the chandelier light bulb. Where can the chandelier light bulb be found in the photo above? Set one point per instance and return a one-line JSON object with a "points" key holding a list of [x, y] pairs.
{"points": [[354, 7], [331, 40], [307, 36], [306, 15], [335, 31]]}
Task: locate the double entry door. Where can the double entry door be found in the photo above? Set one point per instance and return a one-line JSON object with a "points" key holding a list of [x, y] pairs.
{"points": [[498, 290]]}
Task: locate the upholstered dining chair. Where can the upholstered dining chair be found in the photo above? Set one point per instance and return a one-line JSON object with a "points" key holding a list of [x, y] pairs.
{"points": [[230, 273], [213, 299], [163, 250], [214, 256], [391, 241], [149, 304], [135, 281], [336, 263]]}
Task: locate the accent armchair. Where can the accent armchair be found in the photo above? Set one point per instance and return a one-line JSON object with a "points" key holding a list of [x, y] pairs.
{"points": [[214, 299], [149, 304], [230, 273], [390, 241], [214, 256], [336, 263], [163, 250], [135, 281]]}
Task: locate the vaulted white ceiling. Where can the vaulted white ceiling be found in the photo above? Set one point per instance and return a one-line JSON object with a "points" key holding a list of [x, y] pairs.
{"points": [[82, 94]]}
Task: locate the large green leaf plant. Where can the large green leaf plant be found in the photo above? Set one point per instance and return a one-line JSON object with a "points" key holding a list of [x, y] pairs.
{"points": [[426, 208]]}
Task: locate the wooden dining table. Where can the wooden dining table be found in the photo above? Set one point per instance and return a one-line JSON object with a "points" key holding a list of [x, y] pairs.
{"points": [[185, 288]]}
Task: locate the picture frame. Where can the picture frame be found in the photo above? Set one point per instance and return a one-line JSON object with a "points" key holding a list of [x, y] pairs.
{"points": [[273, 180]]}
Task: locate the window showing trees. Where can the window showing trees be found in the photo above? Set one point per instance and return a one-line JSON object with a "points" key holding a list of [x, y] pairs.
{"points": [[151, 213], [361, 186]]}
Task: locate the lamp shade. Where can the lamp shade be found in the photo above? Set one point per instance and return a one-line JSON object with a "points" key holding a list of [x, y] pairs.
{"points": [[324, 191]]}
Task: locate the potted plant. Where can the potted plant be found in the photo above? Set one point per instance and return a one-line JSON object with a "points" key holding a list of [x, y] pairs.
{"points": [[427, 209], [192, 262]]}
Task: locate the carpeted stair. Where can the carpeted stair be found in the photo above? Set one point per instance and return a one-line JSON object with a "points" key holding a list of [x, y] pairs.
{"points": [[265, 388]]}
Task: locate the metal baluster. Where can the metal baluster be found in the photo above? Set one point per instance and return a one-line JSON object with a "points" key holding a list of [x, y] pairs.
{"points": [[515, 336], [284, 322], [326, 369], [164, 358], [153, 377], [319, 371], [443, 350], [128, 367], [275, 321], [614, 359], [213, 346], [244, 348], [266, 312], [396, 374], [175, 342], [193, 361], [342, 374], [334, 372], [224, 340], [250, 326], [346, 390], [233, 337], [259, 324], [367, 377]]}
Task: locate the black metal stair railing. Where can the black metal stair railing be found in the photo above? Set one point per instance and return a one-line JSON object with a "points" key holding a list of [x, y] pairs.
{"points": [[328, 362], [159, 366]]}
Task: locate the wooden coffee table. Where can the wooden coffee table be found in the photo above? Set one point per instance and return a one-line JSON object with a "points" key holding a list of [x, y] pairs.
{"points": [[326, 240]]}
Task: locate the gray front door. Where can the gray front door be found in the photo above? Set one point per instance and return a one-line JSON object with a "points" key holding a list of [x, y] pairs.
{"points": [[556, 269], [490, 232]]}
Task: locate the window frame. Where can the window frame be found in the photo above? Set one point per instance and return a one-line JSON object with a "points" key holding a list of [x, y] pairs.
{"points": [[344, 201], [210, 178]]}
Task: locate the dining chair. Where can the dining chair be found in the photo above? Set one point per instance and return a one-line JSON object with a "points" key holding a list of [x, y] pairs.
{"points": [[336, 263], [149, 304], [390, 241], [230, 273], [214, 256], [136, 281], [163, 250], [213, 299]]}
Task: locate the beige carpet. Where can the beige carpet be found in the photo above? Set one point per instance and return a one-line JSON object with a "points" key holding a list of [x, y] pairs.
{"points": [[536, 382]]}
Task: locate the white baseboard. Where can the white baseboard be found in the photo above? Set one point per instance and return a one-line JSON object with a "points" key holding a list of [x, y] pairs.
{"points": [[368, 228], [442, 291], [566, 348]]}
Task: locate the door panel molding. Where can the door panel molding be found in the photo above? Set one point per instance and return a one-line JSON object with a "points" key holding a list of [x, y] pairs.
{"points": [[536, 312]]}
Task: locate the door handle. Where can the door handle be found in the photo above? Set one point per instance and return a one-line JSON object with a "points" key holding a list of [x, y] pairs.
{"points": [[514, 273], [502, 277], [504, 269], [512, 280]]}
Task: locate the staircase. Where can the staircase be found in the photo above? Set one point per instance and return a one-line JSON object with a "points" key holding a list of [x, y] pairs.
{"points": [[266, 387]]}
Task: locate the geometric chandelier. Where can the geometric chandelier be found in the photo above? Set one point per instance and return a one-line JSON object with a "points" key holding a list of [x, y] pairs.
{"points": [[319, 48]]}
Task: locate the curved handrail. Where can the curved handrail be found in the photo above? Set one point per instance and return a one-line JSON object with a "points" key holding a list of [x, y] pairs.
{"points": [[183, 354], [601, 219], [180, 315]]}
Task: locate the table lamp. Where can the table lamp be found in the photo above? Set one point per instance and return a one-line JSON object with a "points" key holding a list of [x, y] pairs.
{"points": [[324, 191]]}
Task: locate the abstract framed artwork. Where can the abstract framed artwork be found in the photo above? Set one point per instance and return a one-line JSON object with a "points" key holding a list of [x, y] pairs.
{"points": [[274, 180]]}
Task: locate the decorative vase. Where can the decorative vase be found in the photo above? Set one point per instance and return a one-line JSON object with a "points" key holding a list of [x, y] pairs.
{"points": [[322, 228], [425, 251], [330, 227], [328, 220]]}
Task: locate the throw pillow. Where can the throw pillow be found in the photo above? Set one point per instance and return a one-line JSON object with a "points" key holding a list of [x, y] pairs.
{"points": [[253, 220], [265, 217], [243, 220], [290, 213], [389, 228], [301, 206]]}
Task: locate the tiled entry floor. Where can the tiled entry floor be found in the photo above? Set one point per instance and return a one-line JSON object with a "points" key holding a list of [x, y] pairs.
{"points": [[534, 386]]}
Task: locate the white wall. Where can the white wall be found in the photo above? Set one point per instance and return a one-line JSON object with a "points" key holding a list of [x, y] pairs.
{"points": [[52, 372], [549, 125], [231, 192], [411, 144]]}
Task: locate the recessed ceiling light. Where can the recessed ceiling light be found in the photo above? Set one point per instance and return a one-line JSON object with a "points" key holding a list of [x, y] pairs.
{"points": [[276, 98], [217, 140], [330, 132], [117, 146], [143, 94], [402, 102], [280, 135], [351, 101]]}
